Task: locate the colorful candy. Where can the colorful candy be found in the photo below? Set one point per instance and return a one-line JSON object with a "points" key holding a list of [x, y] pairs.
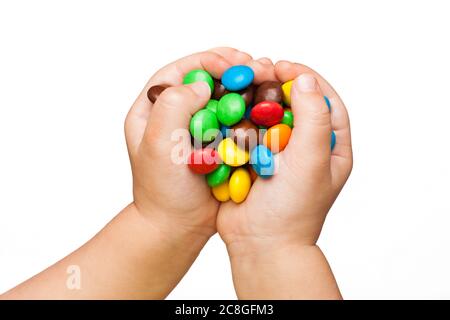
{"points": [[269, 91], [204, 125], [267, 113], [237, 78], [277, 137], [239, 185], [221, 192], [262, 161], [288, 117], [203, 161], [154, 92], [199, 75], [253, 124], [286, 88], [231, 109], [218, 176], [231, 154]]}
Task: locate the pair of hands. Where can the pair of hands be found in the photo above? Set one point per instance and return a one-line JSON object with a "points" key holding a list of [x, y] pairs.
{"points": [[288, 209]]}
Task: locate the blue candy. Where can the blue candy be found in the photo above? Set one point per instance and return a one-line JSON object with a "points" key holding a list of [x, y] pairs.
{"points": [[237, 78], [225, 130], [333, 140], [262, 161], [327, 101], [247, 112]]}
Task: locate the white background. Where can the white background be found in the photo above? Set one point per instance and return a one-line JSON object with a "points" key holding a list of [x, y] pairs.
{"points": [[70, 70]]}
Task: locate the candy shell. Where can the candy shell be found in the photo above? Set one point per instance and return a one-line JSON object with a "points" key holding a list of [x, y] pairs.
{"points": [[231, 154], [219, 90], [245, 134], [327, 101], [154, 92], [267, 113], [203, 161], [239, 185], [204, 125], [269, 91], [237, 77], [286, 88], [199, 75], [231, 109], [221, 192], [277, 137], [333, 139], [262, 161], [288, 118], [212, 105], [218, 176]]}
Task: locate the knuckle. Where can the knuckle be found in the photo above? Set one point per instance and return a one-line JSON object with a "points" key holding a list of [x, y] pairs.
{"points": [[175, 96]]}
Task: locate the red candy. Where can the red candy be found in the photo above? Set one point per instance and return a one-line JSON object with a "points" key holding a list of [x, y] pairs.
{"points": [[203, 161], [267, 113]]}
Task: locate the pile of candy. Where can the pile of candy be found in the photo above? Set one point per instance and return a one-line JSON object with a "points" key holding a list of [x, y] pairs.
{"points": [[238, 130]]}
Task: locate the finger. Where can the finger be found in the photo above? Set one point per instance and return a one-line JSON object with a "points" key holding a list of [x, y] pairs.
{"points": [[342, 156], [172, 74], [311, 135], [265, 60], [234, 56], [173, 110], [263, 72]]}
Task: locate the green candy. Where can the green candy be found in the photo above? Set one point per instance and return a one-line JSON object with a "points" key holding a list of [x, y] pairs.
{"points": [[219, 175], [212, 105], [204, 125], [199, 75], [231, 109], [288, 118]]}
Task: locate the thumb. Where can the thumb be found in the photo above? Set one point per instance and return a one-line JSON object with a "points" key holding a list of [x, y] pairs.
{"points": [[173, 110], [311, 136]]}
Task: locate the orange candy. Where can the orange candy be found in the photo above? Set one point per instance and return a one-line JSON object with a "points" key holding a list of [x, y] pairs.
{"points": [[277, 137]]}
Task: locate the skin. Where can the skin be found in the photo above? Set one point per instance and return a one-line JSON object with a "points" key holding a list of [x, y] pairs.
{"points": [[271, 237], [148, 247]]}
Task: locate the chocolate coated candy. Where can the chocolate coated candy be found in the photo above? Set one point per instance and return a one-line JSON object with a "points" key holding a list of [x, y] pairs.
{"points": [[245, 134], [267, 113], [269, 91], [247, 94], [237, 77], [219, 90], [154, 92]]}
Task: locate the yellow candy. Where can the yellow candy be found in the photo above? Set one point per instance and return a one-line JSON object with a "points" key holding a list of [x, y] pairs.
{"points": [[239, 185], [231, 154], [286, 88], [221, 192]]}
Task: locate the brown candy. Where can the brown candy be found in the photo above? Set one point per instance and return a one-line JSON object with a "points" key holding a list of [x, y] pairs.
{"points": [[269, 91], [154, 92], [245, 134], [248, 94], [219, 90]]}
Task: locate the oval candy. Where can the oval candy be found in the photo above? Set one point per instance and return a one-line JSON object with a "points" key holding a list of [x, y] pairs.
{"points": [[231, 154], [199, 75], [277, 137], [327, 101], [218, 176], [219, 90], [239, 185], [212, 105], [154, 92], [203, 161], [237, 77], [221, 192], [247, 94], [267, 113], [231, 109], [288, 118], [204, 125], [245, 134], [262, 161], [286, 88], [269, 91]]}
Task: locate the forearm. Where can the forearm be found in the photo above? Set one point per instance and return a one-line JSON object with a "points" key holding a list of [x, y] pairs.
{"points": [[130, 258], [288, 272]]}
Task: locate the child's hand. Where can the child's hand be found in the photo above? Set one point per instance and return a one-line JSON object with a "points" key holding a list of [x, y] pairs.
{"points": [[171, 194], [288, 210]]}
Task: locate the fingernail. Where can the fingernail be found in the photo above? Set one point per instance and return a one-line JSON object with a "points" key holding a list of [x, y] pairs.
{"points": [[306, 83], [201, 88]]}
